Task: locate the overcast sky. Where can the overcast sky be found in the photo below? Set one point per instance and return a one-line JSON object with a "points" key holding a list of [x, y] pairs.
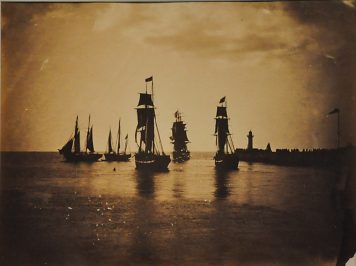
{"points": [[281, 66]]}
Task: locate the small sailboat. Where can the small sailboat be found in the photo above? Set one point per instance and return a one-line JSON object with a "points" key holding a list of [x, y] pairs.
{"points": [[150, 156], [179, 139], [112, 155], [71, 150], [226, 156]]}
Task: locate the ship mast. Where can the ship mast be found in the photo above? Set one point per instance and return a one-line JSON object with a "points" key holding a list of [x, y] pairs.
{"points": [[119, 137]]}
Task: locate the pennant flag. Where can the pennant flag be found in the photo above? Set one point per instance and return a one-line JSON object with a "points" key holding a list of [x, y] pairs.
{"points": [[127, 136], [222, 100], [149, 79], [336, 110], [176, 114]]}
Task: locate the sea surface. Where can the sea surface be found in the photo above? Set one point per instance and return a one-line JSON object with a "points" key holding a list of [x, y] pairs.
{"points": [[108, 213]]}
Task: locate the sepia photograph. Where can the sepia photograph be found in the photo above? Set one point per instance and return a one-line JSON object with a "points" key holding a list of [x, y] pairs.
{"points": [[178, 133]]}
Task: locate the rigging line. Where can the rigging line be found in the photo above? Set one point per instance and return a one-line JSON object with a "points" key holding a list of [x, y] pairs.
{"points": [[159, 136], [228, 143], [232, 143]]}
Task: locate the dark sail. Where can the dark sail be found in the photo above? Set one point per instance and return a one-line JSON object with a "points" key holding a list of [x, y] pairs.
{"points": [[221, 127], [145, 99], [126, 141], [221, 111], [179, 136], [76, 137], [109, 143], [90, 144], [67, 148], [145, 125], [118, 138], [179, 133], [71, 150], [143, 115], [179, 139]]}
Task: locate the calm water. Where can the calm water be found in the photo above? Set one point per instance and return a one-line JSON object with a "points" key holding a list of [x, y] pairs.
{"points": [[59, 213]]}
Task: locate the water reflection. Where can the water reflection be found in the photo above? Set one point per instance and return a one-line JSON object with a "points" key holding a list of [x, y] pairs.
{"points": [[178, 188], [222, 184], [143, 247], [145, 185]]}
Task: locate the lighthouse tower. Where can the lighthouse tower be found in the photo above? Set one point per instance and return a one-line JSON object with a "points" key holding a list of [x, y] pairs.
{"points": [[250, 141]]}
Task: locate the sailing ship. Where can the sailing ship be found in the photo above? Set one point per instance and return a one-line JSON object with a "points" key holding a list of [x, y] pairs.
{"points": [[71, 150], [226, 156], [149, 155], [111, 154], [179, 139]]}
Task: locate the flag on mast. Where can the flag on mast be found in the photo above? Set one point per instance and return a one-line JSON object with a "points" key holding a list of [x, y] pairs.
{"points": [[149, 79], [222, 100]]}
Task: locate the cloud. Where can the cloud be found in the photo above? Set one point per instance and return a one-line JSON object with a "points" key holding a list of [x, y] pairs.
{"points": [[332, 23], [228, 34]]}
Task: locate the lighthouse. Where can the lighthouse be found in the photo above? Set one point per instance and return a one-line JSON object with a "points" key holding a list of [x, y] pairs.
{"points": [[250, 141]]}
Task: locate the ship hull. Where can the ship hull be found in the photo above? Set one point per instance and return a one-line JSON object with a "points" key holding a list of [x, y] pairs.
{"points": [[113, 157], [82, 157], [181, 156], [226, 161], [152, 162]]}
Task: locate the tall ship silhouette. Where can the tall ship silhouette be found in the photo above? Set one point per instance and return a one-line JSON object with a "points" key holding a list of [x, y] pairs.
{"points": [[179, 139], [226, 156], [71, 150], [115, 155], [150, 155]]}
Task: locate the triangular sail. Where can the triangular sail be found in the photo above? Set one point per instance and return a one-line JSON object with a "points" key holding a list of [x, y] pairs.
{"points": [[90, 143], [119, 137], [67, 148], [76, 137], [110, 150]]}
